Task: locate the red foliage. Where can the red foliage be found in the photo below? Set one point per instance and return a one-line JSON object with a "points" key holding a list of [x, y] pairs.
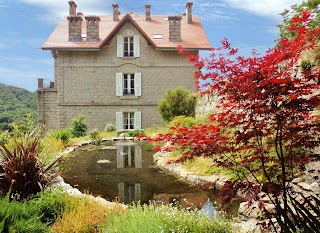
{"points": [[266, 101]]}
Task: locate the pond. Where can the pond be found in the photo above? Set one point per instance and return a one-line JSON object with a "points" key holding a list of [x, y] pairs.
{"points": [[126, 172]]}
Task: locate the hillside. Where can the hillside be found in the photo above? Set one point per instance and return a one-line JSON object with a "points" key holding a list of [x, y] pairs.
{"points": [[15, 104]]}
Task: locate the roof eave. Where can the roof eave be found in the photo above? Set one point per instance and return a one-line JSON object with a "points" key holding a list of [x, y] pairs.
{"points": [[176, 48], [70, 49]]}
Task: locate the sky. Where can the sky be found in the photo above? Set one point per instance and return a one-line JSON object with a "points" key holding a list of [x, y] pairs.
{"points": [[26, 24]]}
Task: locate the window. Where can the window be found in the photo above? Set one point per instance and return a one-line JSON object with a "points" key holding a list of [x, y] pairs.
{"points": [[128, 45], [128, 120], [128, 84]]}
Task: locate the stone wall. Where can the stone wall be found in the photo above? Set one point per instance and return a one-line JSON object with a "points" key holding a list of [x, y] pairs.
{"points": [[206, 104], [48, 107], [86, 82]]}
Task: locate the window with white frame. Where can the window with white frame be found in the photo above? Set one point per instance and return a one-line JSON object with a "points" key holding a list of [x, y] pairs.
{"points": [[128, 120], [128, 84], [128, 44]]}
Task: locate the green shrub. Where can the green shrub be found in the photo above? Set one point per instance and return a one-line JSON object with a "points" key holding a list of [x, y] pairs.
{"points": [[110, 127], [19, 217], [4, 137], [51, 204], [78, 127], [95, 136], [22, 174], [63, 134], [177, 102], [149, 147], [183, 121], [135, 133], [148, 218]]}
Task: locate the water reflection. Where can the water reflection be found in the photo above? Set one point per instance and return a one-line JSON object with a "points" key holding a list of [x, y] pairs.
{"points": [[126, 171], [129, 155], [129, 192]]}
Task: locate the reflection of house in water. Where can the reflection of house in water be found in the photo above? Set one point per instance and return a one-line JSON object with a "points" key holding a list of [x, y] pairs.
{"points": [[129, 192], [129, 155]]}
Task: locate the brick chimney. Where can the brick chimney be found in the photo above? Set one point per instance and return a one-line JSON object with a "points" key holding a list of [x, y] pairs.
{"points": [[148, 12], [72, 8], [174, 28], [40, 82], [115, 12], [75, 31], [92, 28], [189, 12]]}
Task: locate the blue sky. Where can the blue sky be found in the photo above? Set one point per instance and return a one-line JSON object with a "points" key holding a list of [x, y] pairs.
{"points": [[26, 24]]}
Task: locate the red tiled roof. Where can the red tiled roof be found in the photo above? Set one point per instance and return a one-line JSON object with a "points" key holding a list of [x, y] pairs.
{"points": [[193, 35]]}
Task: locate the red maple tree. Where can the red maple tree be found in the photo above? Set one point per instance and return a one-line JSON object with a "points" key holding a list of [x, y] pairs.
{"points": [[266, 125]]}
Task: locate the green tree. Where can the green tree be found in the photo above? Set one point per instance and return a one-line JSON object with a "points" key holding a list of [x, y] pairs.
{"points": [[17, 106], [79, 127], [287, 15], [177, 102]]}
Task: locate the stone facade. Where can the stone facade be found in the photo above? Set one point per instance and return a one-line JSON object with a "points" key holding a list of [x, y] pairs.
{"points": [[115, 69], [85, 84]]}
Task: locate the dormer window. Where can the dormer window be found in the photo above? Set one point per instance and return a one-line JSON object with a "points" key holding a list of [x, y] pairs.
{"points": [[128, 44]]}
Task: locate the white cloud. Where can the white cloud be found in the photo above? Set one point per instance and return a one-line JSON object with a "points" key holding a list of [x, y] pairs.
{"points": [[268, 8], [215, 11], [54, 10]]}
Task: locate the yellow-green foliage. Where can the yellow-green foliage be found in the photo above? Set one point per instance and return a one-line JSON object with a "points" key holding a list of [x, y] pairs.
{"points": [[152, 132], [83, 216], [184, 121], [202, 166], [50, 148]]}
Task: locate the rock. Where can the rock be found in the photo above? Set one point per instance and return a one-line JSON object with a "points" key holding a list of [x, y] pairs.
{"points": [[315, 187], [304, 186], [252, 210], [74, 192], [296, 180], [248, 226], [193, 179]]}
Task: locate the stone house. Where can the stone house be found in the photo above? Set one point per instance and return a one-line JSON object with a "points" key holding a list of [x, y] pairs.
{"points": [[115, 69]]}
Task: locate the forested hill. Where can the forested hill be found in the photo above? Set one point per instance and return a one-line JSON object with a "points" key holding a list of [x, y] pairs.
{"points": [[15, 106]]}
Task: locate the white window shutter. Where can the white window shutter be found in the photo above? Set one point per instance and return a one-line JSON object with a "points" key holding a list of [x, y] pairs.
{"points": [[137, 120], [119, 120], [137, 84], [119, 45], [136, 42], [119, 84]]}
